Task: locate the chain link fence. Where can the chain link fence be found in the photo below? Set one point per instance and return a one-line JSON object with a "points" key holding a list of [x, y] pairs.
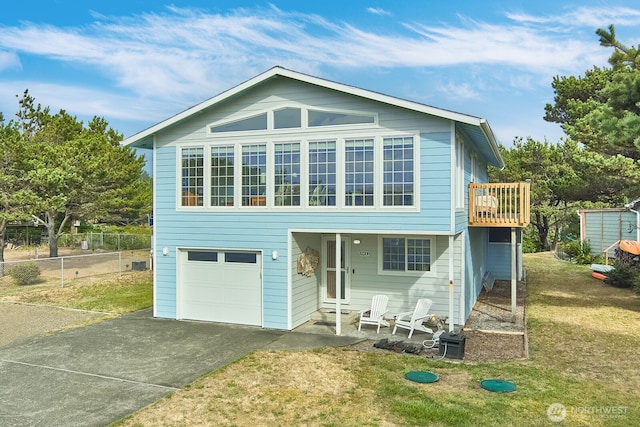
{"points": [[68, 268], [105, 241]]}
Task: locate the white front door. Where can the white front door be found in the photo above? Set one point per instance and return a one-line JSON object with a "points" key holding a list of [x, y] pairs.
{"points": [[329, 269]]}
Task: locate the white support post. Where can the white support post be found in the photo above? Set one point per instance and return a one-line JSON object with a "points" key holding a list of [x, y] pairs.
{"points": [[62, 272], [451, 289], [120, 264], [513, 270], [338, 283]]}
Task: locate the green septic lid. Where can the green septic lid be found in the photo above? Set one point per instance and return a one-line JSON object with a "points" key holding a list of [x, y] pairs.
{"points": [[499, 386], [421, 376]]}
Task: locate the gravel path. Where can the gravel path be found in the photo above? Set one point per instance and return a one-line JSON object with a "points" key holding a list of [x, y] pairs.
{"points": [[19, 321]]}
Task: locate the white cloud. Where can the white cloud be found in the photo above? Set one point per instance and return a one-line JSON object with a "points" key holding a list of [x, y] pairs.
{"points": [[8, 60], [182, 56], [591, 17], [80, 100], [379, 11], [460, 91], [171, 53]]}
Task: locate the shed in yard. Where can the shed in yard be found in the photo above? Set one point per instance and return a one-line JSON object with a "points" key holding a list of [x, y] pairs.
{"points": [[603, 228]]}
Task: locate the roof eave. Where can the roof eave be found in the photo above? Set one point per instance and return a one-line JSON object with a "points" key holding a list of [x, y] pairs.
{"points": [[144, 138], [493, 144]]}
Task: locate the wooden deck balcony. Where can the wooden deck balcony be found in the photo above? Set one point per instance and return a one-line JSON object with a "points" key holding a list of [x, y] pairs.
{"points": [[500, 204]]}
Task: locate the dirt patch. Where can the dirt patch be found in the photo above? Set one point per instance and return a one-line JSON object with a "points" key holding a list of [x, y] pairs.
{"points": [[492, 333]]}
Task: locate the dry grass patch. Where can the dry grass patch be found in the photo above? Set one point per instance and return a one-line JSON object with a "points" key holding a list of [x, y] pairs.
{"points": [[107, 293], [274, 388], [586, 328], [583, 340]]}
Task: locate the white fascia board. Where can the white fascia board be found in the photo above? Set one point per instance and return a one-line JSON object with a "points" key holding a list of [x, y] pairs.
{"points": [[199, 107], [488, 133], [387, 99], [279, 71]]}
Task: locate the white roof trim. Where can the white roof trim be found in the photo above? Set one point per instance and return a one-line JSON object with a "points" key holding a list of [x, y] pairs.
{"points": [[279, 71]]}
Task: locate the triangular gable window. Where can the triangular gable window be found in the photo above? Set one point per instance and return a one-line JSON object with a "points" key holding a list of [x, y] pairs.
{"points": [[328, 118], [287, 118], [258, 122]]}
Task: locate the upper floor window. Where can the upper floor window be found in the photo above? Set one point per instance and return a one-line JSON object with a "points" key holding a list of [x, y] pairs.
{"points": [[287, 118], [354, 172], [328, 118], [322, 173], [258, 122], [192, 176], [398, 179], [222, 183], [292, 118], [459, 175], [254, 175], [359, 172], [287, 174]]}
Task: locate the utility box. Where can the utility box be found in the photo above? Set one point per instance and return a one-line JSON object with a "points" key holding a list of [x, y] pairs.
{"points": [[138, 265], [452, 345]]}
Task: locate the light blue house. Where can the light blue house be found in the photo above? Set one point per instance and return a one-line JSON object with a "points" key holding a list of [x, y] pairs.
{"points": [[254, 187]]}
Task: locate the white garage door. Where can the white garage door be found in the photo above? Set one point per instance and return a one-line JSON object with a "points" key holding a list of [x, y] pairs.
{"points": [[221, 286]]}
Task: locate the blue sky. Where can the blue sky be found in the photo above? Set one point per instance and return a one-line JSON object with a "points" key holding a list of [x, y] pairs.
{"points": [[136, 62]]}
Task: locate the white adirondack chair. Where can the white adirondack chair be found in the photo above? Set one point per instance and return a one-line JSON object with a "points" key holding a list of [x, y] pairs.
{"points": [[412, 320], [375, 315]]}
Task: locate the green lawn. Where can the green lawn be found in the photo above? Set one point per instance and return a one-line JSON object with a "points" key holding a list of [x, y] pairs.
{"points": [[583, 340]]}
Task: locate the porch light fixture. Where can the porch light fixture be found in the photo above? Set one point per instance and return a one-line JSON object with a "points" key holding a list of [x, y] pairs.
{"points": [[356, 241], [274, 255], [165, 251]]}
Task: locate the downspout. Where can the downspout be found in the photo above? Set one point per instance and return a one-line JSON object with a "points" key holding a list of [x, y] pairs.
{"points": [[451, 289], [514, 281], [338, 283], [154, 237]]}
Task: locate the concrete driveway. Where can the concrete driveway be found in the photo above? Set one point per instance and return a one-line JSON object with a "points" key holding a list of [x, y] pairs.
{"points": [[97, 374]]}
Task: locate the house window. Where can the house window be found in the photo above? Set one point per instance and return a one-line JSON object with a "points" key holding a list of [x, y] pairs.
{"points": [[322, 173], [398, 171], [359, 172], [328, 118], [409, 255], [192, 176], [393, 254], [287, 174], [499, 235], [254, 175], [258, 122], [418, 255], [222, 160], [287, 118], [459, 177]]}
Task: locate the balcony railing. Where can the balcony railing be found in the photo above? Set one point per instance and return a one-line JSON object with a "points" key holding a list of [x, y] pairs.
{"points": [[500, 204]]}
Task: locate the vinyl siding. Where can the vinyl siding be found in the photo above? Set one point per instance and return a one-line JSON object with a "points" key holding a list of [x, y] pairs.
{"points": [[476, 265], [267, 231], [403, 290], [305, 291]]}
